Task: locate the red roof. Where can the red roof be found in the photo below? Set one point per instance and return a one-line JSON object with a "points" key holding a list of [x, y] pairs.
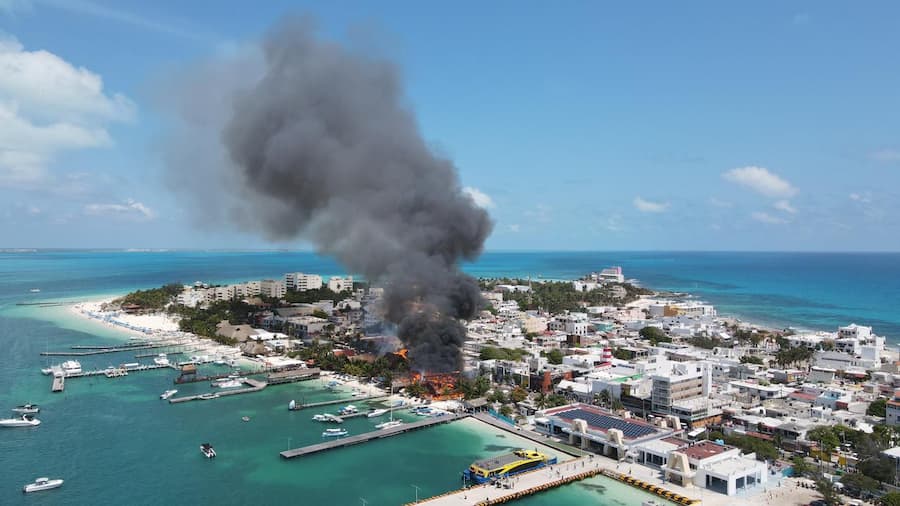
{"points": [[803, 396], [704, 450]]}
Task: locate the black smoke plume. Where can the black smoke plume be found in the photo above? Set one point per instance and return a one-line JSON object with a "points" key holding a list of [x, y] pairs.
{"points": [[305, 138]]}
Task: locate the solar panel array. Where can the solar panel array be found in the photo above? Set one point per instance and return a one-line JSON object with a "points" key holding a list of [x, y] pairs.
{"points": [[629, 430]]}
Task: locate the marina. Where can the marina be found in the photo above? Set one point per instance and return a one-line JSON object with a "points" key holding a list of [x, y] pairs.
{"points": [[369, 436], [341, 401], [255, 386]]}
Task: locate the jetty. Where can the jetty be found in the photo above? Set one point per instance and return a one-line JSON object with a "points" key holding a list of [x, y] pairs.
{"points": [[292, 376], [255, 386], [59, 384], [100, 351], [342, 401], [369, 436]]}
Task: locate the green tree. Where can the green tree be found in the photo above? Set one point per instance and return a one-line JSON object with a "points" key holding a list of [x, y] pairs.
{"points": [[860, 482], [506, 410], [828, 492], [751, 359], [880, 468], [318, 313], [890, 499], [555, 356], [518, 394], [826, 438], [653, 334], [878, 407], [801, 466]]}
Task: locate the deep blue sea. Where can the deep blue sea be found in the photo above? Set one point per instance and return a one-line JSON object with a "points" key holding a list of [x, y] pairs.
{"points": [[115, 442]]}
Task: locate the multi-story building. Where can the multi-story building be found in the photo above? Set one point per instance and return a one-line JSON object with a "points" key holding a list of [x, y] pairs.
{"points": [[572, 324], [683, 392], [272, 288], [340, 284], [300, 282], [892, 410]]}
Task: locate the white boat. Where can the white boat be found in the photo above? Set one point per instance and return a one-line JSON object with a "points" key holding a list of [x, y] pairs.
{"points": [[25, 421], [35, 290], [292, 406], [349, 409], [209, 396], [167, 394], [389, 425], [71, 367], [335, 433], [47, 371], [245, 418], [376, 412], [42, 484], [161, 359], [207, 450], [27, 408], [229, 383], [320, 418]]}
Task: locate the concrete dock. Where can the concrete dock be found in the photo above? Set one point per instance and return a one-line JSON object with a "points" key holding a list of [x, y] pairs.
{"points": [[255, 386], [351, 400], [59, 384], [369, 436]]}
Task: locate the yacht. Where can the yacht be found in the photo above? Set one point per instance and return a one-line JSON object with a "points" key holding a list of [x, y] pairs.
{"points": [[42, 484], [335, 433], [25, 421], [27, 408], [233, 381], [161, 359], [168, 393], [389, 425], [376, 412], [207, 450]]}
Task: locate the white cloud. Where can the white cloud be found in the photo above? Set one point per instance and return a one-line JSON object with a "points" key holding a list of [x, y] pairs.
{"points": [[481, 199], [514, 227], [768, 218], [647, 206], [863, 198], [47, 106], [760, 180], [715, 202], [131, 209], [885, 155], [784, 205]]}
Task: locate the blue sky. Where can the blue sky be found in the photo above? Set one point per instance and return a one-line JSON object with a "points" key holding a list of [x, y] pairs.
{"points": [[586, 125]]}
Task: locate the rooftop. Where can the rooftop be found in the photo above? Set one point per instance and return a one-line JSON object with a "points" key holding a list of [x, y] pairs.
{"points": [[602, 421], [705, 450]]}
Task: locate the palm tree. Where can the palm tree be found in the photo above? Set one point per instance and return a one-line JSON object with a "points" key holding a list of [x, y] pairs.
{"points": [[603, 398]]}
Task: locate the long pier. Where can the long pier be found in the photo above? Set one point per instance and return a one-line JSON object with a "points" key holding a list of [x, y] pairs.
{"points": [[369, 436], [100, 351], [255, 386], [58, 385], [342, 401]]}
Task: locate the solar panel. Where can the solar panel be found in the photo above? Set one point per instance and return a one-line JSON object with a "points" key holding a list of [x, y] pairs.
{"points": [[629, 430]]}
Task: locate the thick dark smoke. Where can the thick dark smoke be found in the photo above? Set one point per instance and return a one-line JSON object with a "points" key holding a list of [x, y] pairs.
{"points": [[315, 140]]}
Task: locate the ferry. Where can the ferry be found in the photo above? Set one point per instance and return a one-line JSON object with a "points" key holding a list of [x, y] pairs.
{"points": [[27, 408], [168, 393], [25, 421], [42, 484], [335, 433], [207, 450], [519, 461]]}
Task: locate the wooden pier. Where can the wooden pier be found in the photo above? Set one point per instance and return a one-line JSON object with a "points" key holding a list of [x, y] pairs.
{"points": [[255, 386], [368, 436], [292, 376], [59, 384]]}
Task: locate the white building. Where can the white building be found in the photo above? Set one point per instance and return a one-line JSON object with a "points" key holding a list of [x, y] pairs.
{"points": [[611, 275], [300, 282], [191, 297], [272, 288], [572, 324], [340, 284]]}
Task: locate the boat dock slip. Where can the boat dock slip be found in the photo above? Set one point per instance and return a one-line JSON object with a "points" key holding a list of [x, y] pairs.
{"points": [[255, 386], [103, 372], [277, 378], [342, 401], [368, 436], [97, 352], [59, 384]]}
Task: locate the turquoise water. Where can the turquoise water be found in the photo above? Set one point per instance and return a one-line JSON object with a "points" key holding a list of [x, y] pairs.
{"points": [[114, 441]]}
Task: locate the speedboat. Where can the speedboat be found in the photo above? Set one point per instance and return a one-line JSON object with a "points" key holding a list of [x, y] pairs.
{"points": [[161, 359], [320, 418], [245, 418], [167, 394], [335, 433], [376, 412], [349, 409], [42, 484], [25, 421], [207, 450], [389, 425], [27, 408], [207, 397]]}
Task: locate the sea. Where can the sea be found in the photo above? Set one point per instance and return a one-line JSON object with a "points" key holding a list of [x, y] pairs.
{"points": [[115, 442]]}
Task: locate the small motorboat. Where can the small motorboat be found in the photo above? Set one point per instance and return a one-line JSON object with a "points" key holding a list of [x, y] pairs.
{"points": [[349, 409], [389, 425], [207, 450], [42, 484], [167, 394], [245, 418], [207, 397], [38, 290], [376, 412], [27, 408], [335, 433], [25, 421]]}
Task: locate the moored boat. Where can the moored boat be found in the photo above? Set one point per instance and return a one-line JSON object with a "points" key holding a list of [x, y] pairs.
{"points": [[389, 425], [167, 394], [519, 461], [349, 409], [208, 396], [376, 412], [161, 359], [25, 421], [42, 484], [335, 433], [27, 409]]}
